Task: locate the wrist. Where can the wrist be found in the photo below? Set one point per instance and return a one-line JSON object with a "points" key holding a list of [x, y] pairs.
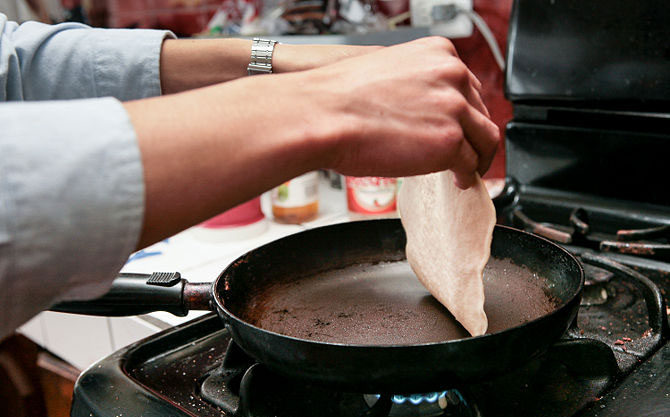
{"points": [[261, 60], [326, 121], [290, 117], [309, 117], [287, 58], [290, 58]]}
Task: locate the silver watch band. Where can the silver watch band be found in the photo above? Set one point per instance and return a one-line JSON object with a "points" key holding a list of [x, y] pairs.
{"points": [[261, 56]]}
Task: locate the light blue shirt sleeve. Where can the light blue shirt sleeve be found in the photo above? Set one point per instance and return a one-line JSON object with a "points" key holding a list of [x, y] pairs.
{"points": [[71, 182], [71, 60]]}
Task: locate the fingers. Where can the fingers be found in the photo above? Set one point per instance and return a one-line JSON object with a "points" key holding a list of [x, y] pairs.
{"points": [[478, 131], [482, 134], [474, 82], [465, 165], [474, 97], [476, 149]]}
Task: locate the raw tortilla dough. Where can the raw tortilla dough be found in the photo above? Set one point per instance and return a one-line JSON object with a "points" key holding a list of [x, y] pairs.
{"points": [[449, 234]]}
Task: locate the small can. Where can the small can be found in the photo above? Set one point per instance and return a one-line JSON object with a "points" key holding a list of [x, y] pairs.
{"points": [[371, 195]]}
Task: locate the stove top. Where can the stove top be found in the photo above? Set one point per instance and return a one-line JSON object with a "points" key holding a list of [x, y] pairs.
{"points": [[614, 357]]}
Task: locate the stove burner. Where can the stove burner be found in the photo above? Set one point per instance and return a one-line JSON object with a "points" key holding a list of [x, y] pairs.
{"points": [[417, 399], [648, 250], [614, 322], [259, 392], [434, 404], [575, 233], [596, 290], [244, 388], [641, 234], [542, 229], [595, 275], [629, 241]]}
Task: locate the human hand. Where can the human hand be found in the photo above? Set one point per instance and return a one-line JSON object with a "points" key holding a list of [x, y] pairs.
{"points": [[290, 58], [405, 110]]}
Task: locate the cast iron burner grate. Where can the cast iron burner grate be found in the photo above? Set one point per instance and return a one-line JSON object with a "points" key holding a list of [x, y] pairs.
{"points": [[606, 342], [650, 242]]}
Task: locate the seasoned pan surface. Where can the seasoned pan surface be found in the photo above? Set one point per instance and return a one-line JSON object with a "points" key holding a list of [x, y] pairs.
{"points": [[384, 304], [340, 307]]}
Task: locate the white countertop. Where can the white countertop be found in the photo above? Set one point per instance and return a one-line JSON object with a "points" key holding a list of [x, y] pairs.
{"points": [[83, 340]]}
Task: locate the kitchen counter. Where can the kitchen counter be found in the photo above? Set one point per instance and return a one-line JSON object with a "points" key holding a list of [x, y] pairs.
{"points": [[83, 340]]}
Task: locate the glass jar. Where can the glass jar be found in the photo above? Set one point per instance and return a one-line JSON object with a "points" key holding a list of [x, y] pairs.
{"points": [[296, 201]]}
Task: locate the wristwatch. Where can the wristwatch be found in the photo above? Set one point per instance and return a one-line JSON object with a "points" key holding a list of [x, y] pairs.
{"points": [[261, 56]]}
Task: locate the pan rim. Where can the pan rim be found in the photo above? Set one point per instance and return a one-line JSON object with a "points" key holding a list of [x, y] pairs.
{"points": [[557, 310]]}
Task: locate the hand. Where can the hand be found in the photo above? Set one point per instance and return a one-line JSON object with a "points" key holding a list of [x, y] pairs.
{"points": [[406, 110], [398, 111], [289, 58]]}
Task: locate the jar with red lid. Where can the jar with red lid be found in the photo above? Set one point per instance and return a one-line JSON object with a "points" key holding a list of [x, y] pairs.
{"points": [[371, 195]]}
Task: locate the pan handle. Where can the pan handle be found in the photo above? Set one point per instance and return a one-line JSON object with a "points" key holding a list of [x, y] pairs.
{"points": [[134, 294]]}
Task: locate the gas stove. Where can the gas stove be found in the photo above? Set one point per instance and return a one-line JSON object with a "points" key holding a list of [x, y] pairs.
{"points": [[586, 159], [613, 361], [196, 370], [615, 357]]}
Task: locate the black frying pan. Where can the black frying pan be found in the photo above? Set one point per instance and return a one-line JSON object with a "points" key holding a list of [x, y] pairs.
{"points": [[338, 305]]}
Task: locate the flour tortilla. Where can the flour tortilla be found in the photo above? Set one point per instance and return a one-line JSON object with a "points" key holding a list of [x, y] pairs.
{"points": [[449, 234]]}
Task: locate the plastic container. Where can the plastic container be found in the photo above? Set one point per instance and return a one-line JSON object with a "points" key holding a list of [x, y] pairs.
{"points": [[372, 195], [244, 221], [296, 201]]}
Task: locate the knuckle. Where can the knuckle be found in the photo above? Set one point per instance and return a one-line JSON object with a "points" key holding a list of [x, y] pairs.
{"points": [[454, 135], [495, 135], [458, 104], [465, 159], [444, 43], [454, 71], [460, 72], [441, 43], [490, 142]]}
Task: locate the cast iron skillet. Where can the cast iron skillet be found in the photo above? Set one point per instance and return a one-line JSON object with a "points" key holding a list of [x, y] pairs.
{"points": [[339, 306]]}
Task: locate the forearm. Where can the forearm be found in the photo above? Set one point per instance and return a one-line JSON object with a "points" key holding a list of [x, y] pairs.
{"points": [[186, 64], [207, 150]]}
